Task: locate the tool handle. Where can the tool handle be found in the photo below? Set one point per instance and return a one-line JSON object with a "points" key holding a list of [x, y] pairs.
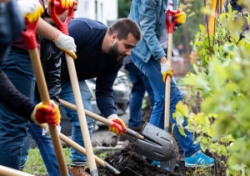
{"points": [[63, 26], [81, 114], [83, 151], [99, 118], [170, 20], [6, 171], [30, 40]]}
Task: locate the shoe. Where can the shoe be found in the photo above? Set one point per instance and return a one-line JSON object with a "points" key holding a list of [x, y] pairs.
{"points": [[199, 159], [78, 171], [156, 163]]}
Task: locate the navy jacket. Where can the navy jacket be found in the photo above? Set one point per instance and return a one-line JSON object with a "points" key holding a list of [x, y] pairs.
{"points": [[92, 63]]}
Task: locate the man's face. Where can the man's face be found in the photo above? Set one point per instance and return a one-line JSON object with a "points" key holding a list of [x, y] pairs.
{"points": [[121, 48]]}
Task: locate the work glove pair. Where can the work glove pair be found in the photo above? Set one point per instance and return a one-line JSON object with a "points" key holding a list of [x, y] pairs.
{"points": [[46, 114], [117, 125]]}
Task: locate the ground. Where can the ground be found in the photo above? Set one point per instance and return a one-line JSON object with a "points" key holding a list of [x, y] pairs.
{"points": [[123, 157]]}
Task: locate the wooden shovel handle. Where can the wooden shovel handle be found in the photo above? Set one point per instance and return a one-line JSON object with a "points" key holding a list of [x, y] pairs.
{"points": [[43, 91], [168, 83], [99, 118], [81, 114], [83, 151], [6, 171]]}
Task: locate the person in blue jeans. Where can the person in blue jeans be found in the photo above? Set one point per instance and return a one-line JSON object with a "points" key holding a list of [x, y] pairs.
{"points": [[16, 66], [150, 58], [100, 52], [140, 85]]}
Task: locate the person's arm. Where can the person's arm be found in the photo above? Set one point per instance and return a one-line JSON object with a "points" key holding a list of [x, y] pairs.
{"points": [[104, 94], [51, 62], [148, 16], [11, 98], [106, 103], [62, 41]]}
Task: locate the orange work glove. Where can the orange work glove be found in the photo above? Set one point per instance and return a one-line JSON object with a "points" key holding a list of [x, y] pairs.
{"points": [[65, 5], [180, 17], [46, 114], [117, 126]]}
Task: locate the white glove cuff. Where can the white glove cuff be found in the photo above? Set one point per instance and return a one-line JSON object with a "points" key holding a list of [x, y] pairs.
{"points": [[112, 117], [165, 67]]}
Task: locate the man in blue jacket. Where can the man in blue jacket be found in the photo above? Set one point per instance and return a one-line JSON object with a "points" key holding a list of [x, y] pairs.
{"points": [[100, 53], [150, 57]]}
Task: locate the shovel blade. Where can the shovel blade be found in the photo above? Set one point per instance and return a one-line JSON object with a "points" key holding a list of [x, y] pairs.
{"points": [[157, 144]]}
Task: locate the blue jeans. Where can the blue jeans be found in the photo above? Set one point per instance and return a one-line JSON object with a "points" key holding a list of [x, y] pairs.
{"points": [[45, 147], [140, 85], [13, 128], [152, 70], [44, 143]]}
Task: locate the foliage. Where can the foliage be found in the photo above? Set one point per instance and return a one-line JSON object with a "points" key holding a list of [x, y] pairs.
{"points": [[220, 78], [124, 8]]}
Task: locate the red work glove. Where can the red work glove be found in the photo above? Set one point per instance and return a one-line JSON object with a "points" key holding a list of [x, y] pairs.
{"points": [[65, 5], [46, 114], [117, 126]]}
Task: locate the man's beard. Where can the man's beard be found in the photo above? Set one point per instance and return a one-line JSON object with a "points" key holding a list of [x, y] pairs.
{"points": [[114, 54]]}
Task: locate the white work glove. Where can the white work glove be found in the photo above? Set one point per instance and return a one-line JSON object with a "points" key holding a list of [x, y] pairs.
{"points": [[46, 131], [31, 9], [66, 44], [165, 71]]}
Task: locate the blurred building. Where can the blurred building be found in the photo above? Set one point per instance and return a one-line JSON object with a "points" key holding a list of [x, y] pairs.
{"points": [[105, 11]]}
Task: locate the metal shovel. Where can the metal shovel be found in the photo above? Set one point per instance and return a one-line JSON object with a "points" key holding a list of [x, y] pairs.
{"points": [[154, 143]]}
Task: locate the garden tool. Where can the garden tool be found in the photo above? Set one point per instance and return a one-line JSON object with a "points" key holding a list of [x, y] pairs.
{"points": [[170, 24], [83, 151], [6, 171], [154, 143], [30, 39], [63, 26]]}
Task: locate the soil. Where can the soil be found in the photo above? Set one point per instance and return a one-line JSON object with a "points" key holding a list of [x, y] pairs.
{"points": [[130, 163]]}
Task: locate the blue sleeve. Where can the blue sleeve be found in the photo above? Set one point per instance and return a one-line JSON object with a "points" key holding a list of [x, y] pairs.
{"points": [[104, 94], [148, 16]]}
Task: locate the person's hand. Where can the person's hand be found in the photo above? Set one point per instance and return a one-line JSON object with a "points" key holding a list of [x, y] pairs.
{"points": [[64, 5], [46, 114], [66, 44], [31, 9], [180, 17], [165, 71], [117, 126]]}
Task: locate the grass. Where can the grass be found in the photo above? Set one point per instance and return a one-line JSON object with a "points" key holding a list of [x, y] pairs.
{"points": [[35, 164]]}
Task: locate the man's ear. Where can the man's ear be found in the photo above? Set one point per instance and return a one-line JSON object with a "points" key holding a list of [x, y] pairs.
{"points": [[113, 36]]}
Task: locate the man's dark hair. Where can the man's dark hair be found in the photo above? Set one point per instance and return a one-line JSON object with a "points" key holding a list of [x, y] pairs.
{"points": [[123, 27]]}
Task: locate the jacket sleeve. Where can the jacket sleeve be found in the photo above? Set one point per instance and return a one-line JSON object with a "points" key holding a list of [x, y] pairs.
{"points": [[149, 19], [51, 62], [12, 99], [104, 94]]}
